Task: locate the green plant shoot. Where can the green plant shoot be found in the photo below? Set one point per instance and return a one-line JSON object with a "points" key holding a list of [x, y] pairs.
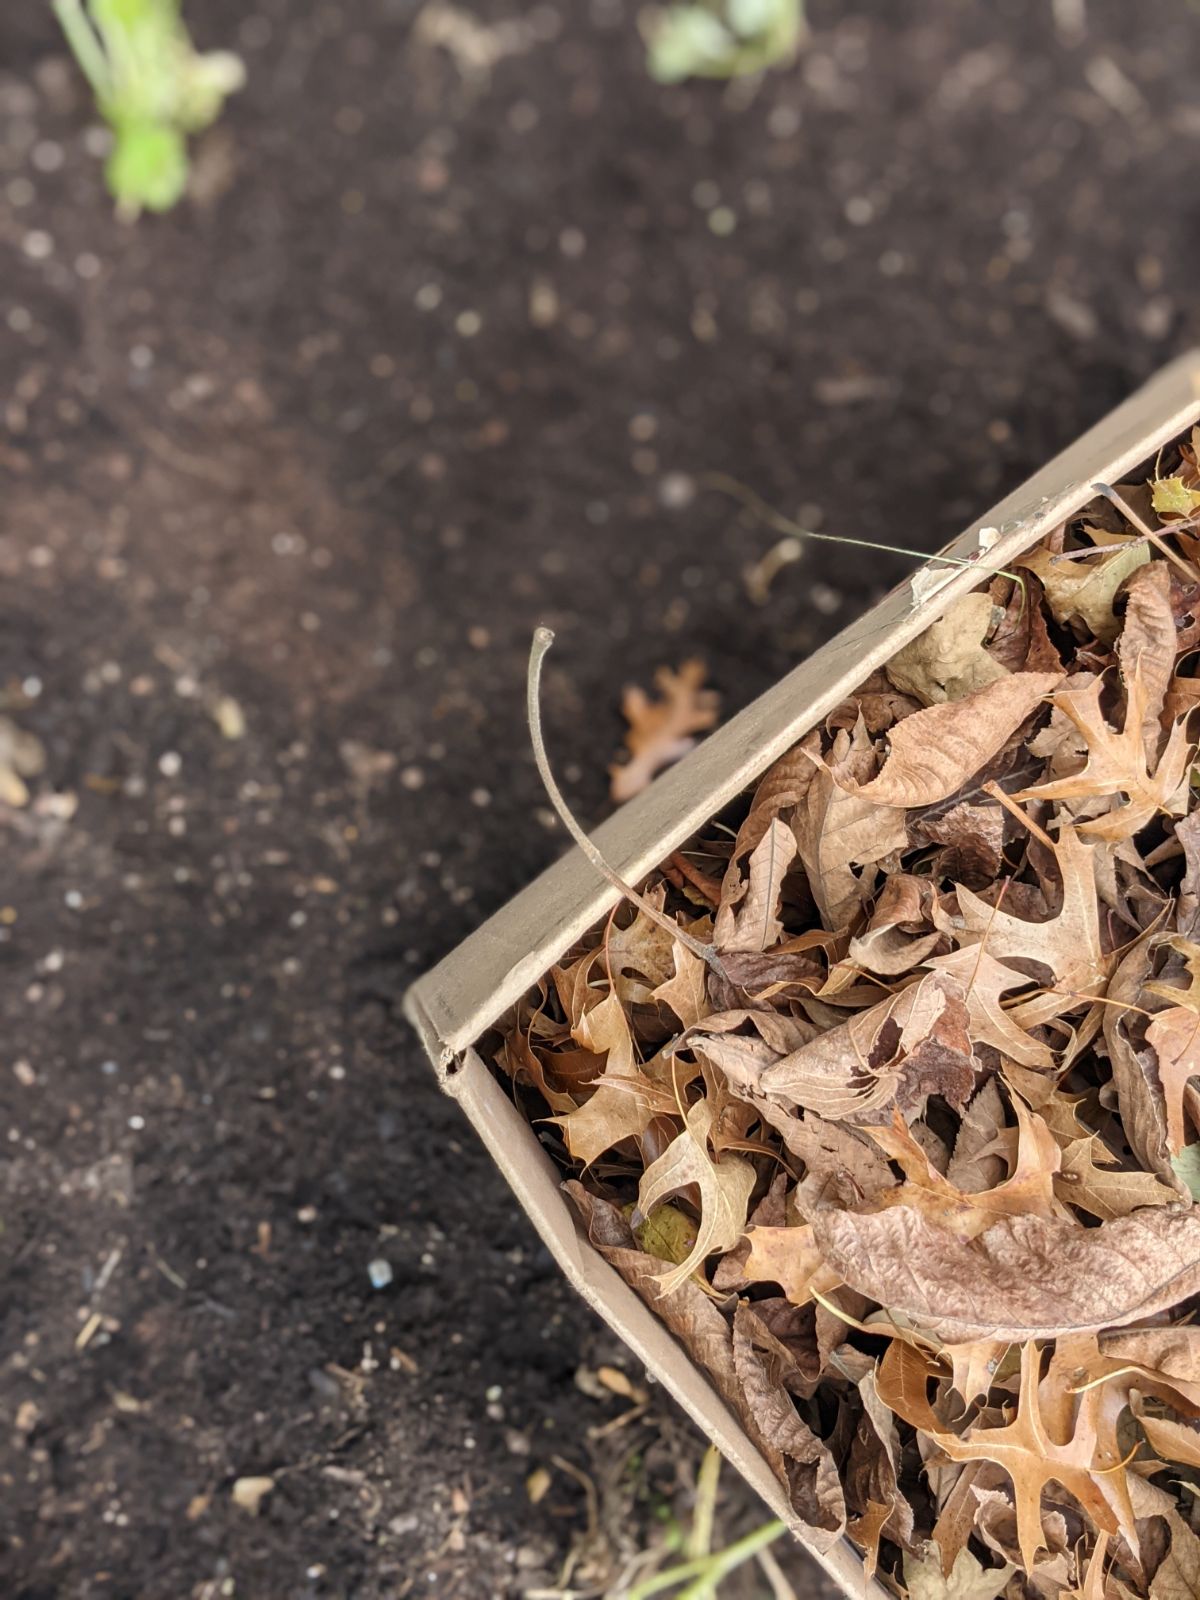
{"points": [[722, 38], [153, 88]]}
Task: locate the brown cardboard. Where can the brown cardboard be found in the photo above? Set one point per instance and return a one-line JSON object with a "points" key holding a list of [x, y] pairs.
{"points": [[455, 1003]]}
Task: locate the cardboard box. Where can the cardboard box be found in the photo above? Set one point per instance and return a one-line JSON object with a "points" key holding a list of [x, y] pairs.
{"points": [[467, 993]]}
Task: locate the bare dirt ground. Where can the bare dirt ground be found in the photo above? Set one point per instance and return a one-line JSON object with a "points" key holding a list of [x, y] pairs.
{"points": [[439, 351]]}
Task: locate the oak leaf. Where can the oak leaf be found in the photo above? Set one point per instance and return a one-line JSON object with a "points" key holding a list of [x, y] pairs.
{"points": [[725, 1187], [837, 831], [660, 731], [624, 1100], [1117, 764], [1108, 1190], [1022, 1446], [968, 1579]]}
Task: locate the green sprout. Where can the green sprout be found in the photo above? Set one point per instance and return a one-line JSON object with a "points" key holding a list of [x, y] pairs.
{"points": [[722, 38], [153, 88], [703, 1570]]}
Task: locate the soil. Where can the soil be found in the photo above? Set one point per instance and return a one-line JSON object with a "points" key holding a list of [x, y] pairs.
{"points": [[436, 352]]}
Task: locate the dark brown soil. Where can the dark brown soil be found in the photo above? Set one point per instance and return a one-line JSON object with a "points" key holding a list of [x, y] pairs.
{"points": [[432, 358]]}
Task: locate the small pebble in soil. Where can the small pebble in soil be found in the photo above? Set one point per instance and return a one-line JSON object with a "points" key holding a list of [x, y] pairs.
{"points": [[380, 1273]]}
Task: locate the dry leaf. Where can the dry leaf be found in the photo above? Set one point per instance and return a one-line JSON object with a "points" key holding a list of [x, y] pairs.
{"points": [[936, 751], [660, 731], [1117, 764], [1023, 1278], [1106, 1191], [948, 660], [968, 1580], [914, 1044], [724, 1187], [837, 831], [1083, 592], [1149, 644], [755, 925], [1023, 1446]]}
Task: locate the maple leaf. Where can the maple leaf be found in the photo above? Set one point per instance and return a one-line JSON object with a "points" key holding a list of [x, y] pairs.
{"points": [[1117, 764], [660, 731], [936, 751], [724, 1186]]}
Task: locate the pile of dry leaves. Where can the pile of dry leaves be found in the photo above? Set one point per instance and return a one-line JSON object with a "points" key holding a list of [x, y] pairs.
{"points": [[909, 1168]]}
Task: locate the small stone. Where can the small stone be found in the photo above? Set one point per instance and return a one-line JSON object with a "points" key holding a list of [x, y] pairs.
{"points": [[249, 1493], [380, 1273]]}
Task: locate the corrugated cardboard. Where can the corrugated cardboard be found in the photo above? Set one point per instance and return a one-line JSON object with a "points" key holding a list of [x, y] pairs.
{"points": [[455, 1003]]}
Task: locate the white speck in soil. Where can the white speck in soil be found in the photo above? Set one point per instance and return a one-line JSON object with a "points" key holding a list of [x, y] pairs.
{"points": [[73, 899], [467, 324], [137, 1123], [412, 778], [676, 491], [380, 1273], [37, 244], [170, 763]]}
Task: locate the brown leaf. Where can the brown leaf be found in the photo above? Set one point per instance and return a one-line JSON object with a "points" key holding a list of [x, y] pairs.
{"points": [[913, 1044], [1174, 1352], [1117, 764], [975, 1164], [972, 836], [1143, 1115], [873, 1475], [808, 1469], [660, 731], [688, 1311], [625, 1101], [686, 991], [756, 925], [1083, 591], [948, 660], [1149, 645], [936, 751], [1023, 1278], [984, 981], [899, 935], [1175, 1036], [838, 831], [1106, 1191], [1173, 1441], [724, 1187], [968, 1580], [1022, 1446], [1068, 944]]}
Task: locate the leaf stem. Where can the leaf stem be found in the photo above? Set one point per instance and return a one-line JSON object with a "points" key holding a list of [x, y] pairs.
{"points": [[543, 638], [1156, 539]]}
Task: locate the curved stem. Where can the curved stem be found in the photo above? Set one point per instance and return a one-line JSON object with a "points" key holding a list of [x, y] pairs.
{"points": [[543, 638]]}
